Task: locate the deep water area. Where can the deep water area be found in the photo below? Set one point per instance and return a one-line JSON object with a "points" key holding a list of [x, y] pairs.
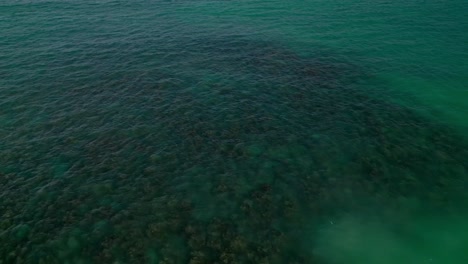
{"points": [[133, 134]]}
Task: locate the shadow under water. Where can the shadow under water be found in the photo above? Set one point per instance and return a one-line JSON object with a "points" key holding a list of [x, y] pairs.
{"points": [[228, 152]]}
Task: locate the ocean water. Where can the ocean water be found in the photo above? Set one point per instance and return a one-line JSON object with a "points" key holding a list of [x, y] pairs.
{"points": [[248, 131]]}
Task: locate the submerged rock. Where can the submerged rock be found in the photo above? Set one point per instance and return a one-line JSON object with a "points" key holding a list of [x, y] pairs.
{"points": [[225, 160], [21, 231]]}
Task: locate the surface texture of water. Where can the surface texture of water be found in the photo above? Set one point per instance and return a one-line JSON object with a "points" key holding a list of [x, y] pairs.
{"points": [[233, 131]]}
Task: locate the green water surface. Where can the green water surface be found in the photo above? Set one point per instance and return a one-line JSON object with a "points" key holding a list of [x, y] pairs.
{"points": [[245, 131]]}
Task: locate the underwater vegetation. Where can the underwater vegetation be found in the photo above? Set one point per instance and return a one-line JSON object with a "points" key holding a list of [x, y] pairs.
{"points": [[228, 152]]}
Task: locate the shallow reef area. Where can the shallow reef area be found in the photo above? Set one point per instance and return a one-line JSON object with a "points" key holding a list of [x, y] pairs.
{"points": [[231, 151]]}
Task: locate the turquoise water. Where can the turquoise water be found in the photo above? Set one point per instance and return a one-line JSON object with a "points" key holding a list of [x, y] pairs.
{"points": [[233, 131]]}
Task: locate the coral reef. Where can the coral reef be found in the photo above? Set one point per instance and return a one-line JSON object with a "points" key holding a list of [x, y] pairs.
{"points": [[225, 166]]}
